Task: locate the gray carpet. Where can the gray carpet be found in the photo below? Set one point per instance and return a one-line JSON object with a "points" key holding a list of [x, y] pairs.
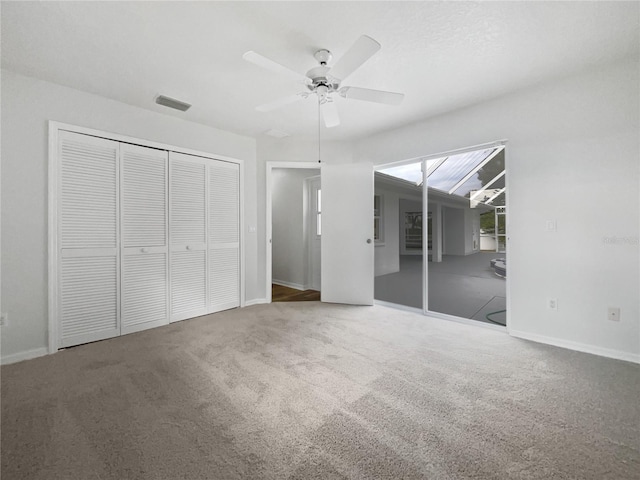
{"points": [[315, 391]]}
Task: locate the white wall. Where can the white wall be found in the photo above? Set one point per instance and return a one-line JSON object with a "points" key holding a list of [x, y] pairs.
{"points": [[289, 256], [27, 105], [572, 156], [459, 224], [454, 231]]}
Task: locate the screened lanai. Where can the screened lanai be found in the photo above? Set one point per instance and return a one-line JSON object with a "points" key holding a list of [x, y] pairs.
{"points": [[464, 231]]}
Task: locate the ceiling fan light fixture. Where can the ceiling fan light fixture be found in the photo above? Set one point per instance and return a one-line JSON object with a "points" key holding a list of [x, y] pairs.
{"points": [[322, 91]]}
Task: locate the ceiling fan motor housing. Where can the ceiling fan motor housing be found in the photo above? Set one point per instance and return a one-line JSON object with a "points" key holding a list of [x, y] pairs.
{"points": [[319, 78]]}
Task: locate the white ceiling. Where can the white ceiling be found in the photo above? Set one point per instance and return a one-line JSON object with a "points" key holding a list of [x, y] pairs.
{"points": [[442, 55]]}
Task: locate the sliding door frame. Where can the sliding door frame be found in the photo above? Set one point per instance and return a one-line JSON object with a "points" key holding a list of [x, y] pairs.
{"points": [[425, 208], [53, 200]]}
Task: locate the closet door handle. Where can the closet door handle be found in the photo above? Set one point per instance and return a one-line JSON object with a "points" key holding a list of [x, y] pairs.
{"points": [[144, 250], [188, 247]]}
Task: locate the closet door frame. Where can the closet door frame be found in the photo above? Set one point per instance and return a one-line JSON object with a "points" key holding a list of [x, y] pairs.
{"points": [[55, 127]]}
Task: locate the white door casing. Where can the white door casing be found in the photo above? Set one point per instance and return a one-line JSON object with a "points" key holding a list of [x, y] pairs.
{"points": [[347, 233], [269, 219]]}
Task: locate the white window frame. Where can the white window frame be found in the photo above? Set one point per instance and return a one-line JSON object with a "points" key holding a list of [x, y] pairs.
{"points": [[379, 215]]}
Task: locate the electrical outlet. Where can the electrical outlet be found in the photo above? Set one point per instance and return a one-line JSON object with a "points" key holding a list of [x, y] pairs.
{"points": [[614, 314], [551, 226], [552, 304], [4, 319]]}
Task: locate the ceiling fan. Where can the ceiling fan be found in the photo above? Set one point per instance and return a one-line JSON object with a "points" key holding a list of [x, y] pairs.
{"points": [[325, 81]]}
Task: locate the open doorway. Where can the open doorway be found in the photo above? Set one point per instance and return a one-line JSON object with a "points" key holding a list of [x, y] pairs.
{"points": [[295, 196], [450, 258]]}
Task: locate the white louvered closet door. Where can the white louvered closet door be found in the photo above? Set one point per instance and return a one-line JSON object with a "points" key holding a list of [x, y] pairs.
{"points": [[88, 232], [188, 235], [224, 235], [145, 259]]}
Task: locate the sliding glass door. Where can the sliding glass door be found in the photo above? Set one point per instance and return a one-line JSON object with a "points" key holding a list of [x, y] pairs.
{"points": [[465, 268], [441, 246]]}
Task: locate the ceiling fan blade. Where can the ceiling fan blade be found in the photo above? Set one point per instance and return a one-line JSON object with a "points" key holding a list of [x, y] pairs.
{"points": [[366, 94], [281, 102], [330, 114], [269, 64], [359, 53]]}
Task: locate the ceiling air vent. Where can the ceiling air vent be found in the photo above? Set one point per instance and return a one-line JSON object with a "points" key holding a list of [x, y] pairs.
{"points": [[276, 133], [172, 103]]}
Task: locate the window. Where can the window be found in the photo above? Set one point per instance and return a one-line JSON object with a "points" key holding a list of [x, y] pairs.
{"points": [[378, 223], [413, 230]]}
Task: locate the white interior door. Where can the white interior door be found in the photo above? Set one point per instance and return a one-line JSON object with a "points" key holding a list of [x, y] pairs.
{"points": [[88, 232], [145, 268], [188, 235], [224, 235], [347, 233]]}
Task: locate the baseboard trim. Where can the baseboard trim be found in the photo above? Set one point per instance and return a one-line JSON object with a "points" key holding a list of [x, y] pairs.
{"points": [[467, 321], [577, 346], [297, 286], [255, 301], [397, 306], [440, 316], [26, 355]]}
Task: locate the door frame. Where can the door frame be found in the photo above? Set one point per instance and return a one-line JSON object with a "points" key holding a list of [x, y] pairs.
{"points": [[53, 197], [269, 219]]}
